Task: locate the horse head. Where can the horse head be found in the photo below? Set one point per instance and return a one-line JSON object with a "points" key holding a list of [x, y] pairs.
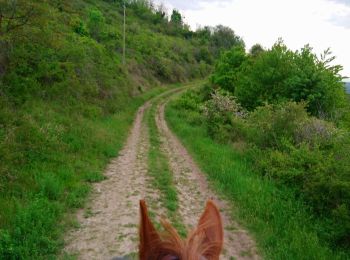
{"points": [[203, 243]]}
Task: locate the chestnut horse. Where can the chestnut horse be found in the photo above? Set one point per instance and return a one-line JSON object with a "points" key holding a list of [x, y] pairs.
{"points": [[204, 243]]}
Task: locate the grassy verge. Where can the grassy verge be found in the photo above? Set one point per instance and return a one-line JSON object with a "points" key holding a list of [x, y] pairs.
{"points": [[52, 152], [160, 172], [281, 224]]}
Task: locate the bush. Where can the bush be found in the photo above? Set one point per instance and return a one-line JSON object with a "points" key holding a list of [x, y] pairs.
{"points": [[79, 27], [311, 156], [270, 126], [96, 23], [223, 116], [190, 100], [317, 176], [315, 132]]}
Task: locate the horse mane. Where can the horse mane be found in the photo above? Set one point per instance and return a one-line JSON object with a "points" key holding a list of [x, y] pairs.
{"points": [[206, 240]]}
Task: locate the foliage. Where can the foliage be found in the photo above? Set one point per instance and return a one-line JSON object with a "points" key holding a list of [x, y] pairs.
{"points": [[285, 144], [304, 153], [222, 113], [224, 38], [270, 126], [227, 68], [279, 218], [96, 23], [219, 39], [279, 74], [256, 50], [16, 14], [176, 18]]}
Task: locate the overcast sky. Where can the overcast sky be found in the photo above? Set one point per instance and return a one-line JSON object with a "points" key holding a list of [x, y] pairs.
{"points": [[321, 23]]}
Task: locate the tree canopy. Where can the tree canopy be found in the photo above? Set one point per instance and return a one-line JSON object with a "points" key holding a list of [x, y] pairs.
{"points": [[279, 74]]}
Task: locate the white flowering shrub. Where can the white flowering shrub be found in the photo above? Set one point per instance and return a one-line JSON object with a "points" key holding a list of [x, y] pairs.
{"points": [[224, 116]]}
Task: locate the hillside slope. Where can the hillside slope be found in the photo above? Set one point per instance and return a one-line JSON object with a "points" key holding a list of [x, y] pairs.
{"points": [[67, 101]]}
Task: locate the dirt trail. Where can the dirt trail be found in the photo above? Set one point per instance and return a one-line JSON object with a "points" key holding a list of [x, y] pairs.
{"points": [[109, 224], [193, 191], [108, 227]]}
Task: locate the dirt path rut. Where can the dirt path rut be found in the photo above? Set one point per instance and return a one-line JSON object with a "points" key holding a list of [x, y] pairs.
{"points": [[193, 191]]}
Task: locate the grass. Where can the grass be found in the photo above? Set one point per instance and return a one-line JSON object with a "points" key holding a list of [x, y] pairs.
{"points": [[280, 223], [52, 154]]}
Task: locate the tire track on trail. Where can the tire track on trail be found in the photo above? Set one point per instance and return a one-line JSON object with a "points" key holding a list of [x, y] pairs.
{"points": [[109, 224], [193, 191]]}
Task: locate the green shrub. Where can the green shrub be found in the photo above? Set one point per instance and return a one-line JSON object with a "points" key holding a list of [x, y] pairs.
{"points": [[271, 125], [190, 100], [224, 116], [79, 27], [316, 132], [319, 178], [96, 23]]}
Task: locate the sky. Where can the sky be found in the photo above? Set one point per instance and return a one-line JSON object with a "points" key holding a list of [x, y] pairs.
{"points": [[320, 23]]}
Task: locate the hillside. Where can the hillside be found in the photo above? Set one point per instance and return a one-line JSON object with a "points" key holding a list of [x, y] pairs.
{"points": [[68, 45], [67, 101]]}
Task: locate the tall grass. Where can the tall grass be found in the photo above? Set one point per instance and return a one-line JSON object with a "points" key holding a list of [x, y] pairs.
{"points": [[282, 225]]}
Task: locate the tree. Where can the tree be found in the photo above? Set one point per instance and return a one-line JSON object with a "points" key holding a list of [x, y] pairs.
{"points": [[224, 38], [278, 75], [176, 18], [204, 34], [256, 50], [227, 68]]}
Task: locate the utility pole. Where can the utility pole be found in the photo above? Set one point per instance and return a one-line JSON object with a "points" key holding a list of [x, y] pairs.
{"points": [[124, 35]]}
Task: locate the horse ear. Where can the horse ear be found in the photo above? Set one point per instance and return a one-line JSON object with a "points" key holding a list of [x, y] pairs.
{"points": [[148, 234], [210, 225]]}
